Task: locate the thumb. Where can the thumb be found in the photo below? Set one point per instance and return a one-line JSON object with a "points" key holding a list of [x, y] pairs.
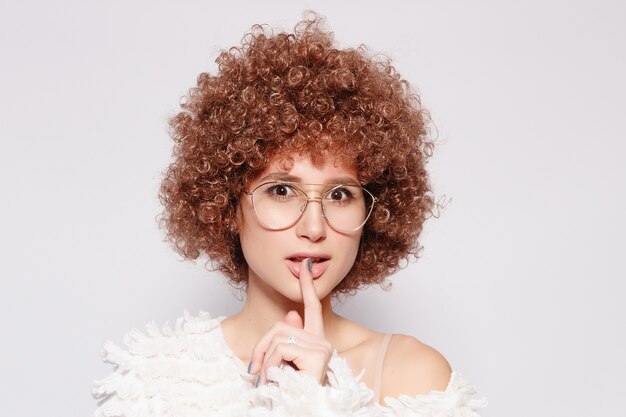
{"points": [[293, 318]]}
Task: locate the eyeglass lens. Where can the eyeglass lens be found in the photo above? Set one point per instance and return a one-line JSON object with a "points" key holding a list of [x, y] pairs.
{"points": [[279, 205]]}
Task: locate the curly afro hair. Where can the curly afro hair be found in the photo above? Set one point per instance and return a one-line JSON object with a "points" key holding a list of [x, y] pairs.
{"points": [[296, 92]]}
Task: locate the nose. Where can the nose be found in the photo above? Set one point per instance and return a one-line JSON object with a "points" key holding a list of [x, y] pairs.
{"points": [[312, 224]]}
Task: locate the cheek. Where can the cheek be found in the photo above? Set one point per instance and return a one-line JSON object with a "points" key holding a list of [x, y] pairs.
{"points": [[246, 232], [247, 223], [252, 249], [351, 245], [248, 235], [257, 244]]}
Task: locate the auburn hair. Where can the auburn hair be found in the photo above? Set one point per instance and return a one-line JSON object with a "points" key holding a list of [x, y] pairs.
{"points": [[285, 93]]}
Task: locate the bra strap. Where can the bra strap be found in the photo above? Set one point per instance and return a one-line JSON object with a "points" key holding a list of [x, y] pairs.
{"points": [[380, 359]]}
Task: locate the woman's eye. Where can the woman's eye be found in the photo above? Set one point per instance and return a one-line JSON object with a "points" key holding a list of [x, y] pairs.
{"points": [[281, 190], [340, 194]]}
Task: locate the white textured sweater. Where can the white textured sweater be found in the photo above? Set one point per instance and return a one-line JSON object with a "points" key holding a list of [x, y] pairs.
{"points": [[190, 371]]}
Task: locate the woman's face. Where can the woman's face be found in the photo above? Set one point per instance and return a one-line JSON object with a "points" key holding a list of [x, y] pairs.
{"points": [[273, 255]]}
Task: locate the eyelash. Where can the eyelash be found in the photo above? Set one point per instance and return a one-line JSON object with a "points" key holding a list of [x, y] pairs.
{"points": [[274, 187], [347, 193]]}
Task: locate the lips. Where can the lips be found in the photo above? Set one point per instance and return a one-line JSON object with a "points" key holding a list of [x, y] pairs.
{"points": [[314, 259], [320, 263]]}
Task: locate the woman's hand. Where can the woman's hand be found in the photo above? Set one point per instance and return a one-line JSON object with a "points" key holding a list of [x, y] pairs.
{"points": [[311, 352]]}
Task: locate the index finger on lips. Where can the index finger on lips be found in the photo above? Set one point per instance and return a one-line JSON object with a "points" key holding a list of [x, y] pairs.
{"points": [[313, 320]]}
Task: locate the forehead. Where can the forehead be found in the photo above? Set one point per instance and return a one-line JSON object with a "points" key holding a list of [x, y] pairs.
{"points": [[303, 168]]}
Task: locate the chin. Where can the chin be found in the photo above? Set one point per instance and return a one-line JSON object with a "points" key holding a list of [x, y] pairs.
{"points": [[294, 293]]}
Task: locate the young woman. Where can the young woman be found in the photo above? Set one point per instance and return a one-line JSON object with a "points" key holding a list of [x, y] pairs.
{"points": [[299, 170]]}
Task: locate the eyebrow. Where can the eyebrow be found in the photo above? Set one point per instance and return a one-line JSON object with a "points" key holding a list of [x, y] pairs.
{"points": [[292, 178]]}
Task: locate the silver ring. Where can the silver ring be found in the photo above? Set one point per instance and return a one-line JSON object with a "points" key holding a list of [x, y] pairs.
{"points": [[292, 340]]}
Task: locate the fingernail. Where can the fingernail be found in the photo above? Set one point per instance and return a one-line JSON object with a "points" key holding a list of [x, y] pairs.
{"points": [[309, 264], [257, 382], [249, 366]]}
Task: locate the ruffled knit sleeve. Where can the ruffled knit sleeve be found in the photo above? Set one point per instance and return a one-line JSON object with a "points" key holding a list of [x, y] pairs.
{"points": [[291, 393], [185, 372], [190, 371], [456, 401]]}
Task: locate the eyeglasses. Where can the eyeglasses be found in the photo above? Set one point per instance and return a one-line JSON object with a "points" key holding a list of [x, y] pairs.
{"points": [[279, 205]]}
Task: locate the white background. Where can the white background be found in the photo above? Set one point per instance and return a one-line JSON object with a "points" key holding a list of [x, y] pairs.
{"points": [[521, 279]]}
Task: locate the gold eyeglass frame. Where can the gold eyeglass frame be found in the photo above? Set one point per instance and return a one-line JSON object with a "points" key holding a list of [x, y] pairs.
{"points": [[306, 203]]}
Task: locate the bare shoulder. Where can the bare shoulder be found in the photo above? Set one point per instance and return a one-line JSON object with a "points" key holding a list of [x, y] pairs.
{"points": [[412, 367]]}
